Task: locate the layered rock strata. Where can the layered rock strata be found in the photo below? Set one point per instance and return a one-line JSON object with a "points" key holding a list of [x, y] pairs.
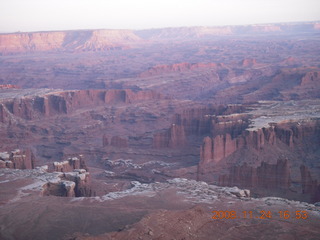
{"points": [[35, 107]]}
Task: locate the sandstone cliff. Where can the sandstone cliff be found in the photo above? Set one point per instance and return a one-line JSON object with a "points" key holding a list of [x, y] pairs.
{"points": [[214, 149], [309, 184], [173, 138], [17, 159], [85, 40], [35, 107], [240, 156], [199, 121], [266, 176]]}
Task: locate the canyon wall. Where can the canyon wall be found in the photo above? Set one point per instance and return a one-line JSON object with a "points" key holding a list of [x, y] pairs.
{"points": [[266, 176], [310, 185], [68, 101], [238, 158], [115, 141], [200, 121], [214, 149], [173, 138]]}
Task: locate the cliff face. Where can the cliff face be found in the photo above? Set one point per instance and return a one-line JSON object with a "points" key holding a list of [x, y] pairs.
{"points": [[197, 122], [173, 138], [261, 146], [310, 185], [219, 147], [90, 40], [66, 102], [267, 176]]}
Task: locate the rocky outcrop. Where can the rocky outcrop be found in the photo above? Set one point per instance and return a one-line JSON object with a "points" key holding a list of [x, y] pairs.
{"points": [[68, 101], [311, 78], [17, 159], [173, 138], [197, 122], [66, 41], [115, 141], [213, 150], [69, 184], [219, 147], [241, 156], [119, 142], [105, 140], [309, 185], [69, 165], [267, 176]]}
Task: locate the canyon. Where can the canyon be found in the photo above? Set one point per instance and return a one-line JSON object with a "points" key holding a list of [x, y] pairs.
{"points": [[114, 134]]}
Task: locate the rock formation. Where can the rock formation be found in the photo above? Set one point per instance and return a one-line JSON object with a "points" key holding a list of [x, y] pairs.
{"points": [[309, 185], [17, 159], [69, 41], [311, 78], [34, 107], [69, 165], [69, 184], [266, 176], [173, 138], [197, 122], [119, 142], [219, 147]]}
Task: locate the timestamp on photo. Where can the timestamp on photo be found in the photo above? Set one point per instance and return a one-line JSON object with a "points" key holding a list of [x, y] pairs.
{"points": [[263, 214]]}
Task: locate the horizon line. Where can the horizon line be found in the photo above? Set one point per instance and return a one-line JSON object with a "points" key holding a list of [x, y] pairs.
{"points": [[158, 28]]}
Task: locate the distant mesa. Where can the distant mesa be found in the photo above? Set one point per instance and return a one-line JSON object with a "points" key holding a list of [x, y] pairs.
{"points": [[104, 40], [8, 86], [66, 41]]}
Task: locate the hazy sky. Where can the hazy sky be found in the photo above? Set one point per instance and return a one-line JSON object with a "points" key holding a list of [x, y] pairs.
{"points": [[38, 15]]}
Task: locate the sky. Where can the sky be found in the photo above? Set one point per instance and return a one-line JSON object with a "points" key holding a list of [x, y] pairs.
{"points": [[47, 15]]}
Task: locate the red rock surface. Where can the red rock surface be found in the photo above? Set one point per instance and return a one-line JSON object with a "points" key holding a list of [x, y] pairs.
{"points": [[235, 106]]}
